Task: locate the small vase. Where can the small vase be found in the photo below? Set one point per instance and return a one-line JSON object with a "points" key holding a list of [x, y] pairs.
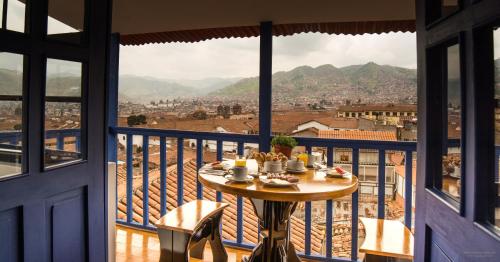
{"points": [[285, 150]]}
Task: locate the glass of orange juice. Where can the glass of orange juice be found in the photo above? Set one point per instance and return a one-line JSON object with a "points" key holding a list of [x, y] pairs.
{"points": [[240, 161], [303, 157]]}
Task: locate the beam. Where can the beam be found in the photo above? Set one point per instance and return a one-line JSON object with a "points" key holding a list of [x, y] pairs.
{"points": [[265, 81]]}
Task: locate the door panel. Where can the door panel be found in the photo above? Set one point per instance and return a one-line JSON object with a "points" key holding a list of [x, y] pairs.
{"points": [[451, 228], [56, 213], [68, 213], [11, 236]]}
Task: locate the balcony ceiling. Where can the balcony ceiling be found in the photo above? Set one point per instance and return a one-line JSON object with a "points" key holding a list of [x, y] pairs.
{"points": [[148, 16], [150, 21]]}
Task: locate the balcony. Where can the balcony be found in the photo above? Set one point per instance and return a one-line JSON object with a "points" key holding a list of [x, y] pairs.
{"points": [[151, 192]]}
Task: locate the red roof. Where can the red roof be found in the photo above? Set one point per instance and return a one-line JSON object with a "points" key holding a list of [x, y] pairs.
{"points": [[358, 135], [350, 28]]}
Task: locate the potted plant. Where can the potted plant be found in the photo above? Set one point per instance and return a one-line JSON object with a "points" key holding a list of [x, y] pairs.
{"points": [[284, 145]]}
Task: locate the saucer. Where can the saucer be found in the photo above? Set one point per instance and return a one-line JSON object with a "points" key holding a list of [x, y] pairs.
{"points": [[296, 171], [233, 179]]}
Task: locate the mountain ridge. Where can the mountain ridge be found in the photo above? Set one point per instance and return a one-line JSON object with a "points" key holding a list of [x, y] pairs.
{"points": [[367, 79]]}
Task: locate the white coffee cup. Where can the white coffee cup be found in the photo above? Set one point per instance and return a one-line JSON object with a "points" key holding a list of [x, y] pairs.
{"points": [[295, 164], [240, 172]]}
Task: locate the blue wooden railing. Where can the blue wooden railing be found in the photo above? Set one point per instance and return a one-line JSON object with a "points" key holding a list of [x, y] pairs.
{"points": [[15, 137], [240, 140], [330, 144]]}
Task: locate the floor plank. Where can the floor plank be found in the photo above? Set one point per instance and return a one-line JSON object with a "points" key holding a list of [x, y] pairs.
{"points": [[141, 246]]}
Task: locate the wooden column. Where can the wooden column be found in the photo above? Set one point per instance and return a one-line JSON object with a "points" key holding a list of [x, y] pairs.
{"points": [[265, 82]]}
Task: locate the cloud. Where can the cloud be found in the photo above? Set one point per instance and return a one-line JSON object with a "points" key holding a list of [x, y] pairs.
{"points": [[496, 40], [240, 57]]}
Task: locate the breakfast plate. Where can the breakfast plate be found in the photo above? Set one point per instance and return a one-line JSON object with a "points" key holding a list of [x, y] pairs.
{"points": [[296, 171], [277, 182], [231, 178]]}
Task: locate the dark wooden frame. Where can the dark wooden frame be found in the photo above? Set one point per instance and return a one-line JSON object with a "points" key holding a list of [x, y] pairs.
{"points": [[434, 17], [30, 194], [84, 35], [438, 81], [486, 200], [434, 219], [82, 100]]}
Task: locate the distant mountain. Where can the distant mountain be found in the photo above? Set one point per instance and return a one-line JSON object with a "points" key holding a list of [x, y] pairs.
{"points": [[208, 85], [361, 80], [10, 82], [145, 89], [365, 80]]}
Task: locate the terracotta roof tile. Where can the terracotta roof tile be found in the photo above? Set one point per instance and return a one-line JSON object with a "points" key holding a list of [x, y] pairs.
{"points": [[358, 135]]}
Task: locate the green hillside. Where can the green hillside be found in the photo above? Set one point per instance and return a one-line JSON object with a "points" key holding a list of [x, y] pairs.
{"points": [[366, 79]]}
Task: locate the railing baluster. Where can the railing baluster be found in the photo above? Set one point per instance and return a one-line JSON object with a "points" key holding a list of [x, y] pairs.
{"points": [[497, 159], [180, 171], [145, 180], [355, 208], [78, 142], [130, 174], [381, 184], [163, 176], [329, 227], [330, 156], [308, 149], [199, 164], [218, 195], [307, 229], [60, 141], [239, 205], [408, 187]]}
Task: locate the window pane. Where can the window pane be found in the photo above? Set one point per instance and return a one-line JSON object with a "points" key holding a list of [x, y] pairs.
{"points": [[15, 15], [210, 86], [496, 40], [452, 153], [449, 7], [11, 112], [1, 13], [11, 74], [64, 78], [62, 136], [62, 113], [66, 20]]}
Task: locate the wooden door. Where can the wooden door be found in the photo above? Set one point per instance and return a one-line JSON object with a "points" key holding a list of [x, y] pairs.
{"points": [[457, 209], [52, 139]]}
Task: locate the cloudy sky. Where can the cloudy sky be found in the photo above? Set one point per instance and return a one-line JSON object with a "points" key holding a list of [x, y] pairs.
{"points": [[240, 57]]}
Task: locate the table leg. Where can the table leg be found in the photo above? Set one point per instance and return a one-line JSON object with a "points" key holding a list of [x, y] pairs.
{"points": [[274, 224]]}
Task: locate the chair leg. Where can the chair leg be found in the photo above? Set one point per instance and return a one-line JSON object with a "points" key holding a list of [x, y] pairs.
{"points": [[219, 253], [174, 246], [198, 249]]}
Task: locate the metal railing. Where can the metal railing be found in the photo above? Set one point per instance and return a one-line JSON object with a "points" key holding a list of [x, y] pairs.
{"points": [[240, 139]]}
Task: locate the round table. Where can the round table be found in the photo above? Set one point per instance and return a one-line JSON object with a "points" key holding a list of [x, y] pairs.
{"points": [[275, 205]]}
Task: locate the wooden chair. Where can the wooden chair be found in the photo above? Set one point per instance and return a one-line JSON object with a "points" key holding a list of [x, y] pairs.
{"points": [[386, 240], [186, 229]]}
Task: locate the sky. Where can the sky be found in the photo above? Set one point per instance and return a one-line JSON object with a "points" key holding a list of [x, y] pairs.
{"points": [[239, 57]]}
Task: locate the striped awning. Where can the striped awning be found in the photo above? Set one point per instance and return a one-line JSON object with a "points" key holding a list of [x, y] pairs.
{"points": [[347, 28]]}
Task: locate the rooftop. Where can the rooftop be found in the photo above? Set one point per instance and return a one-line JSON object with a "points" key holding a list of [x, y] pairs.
{"points": [[358, 135]]}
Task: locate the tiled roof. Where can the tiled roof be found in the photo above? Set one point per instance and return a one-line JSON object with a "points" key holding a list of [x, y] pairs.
{"points": [[379, 107], [358, 135], [229, 220], [336, 122], [351, 28]]}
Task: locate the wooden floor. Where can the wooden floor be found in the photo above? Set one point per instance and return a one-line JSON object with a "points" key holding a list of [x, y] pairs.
{"points": [[141, 246]]}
